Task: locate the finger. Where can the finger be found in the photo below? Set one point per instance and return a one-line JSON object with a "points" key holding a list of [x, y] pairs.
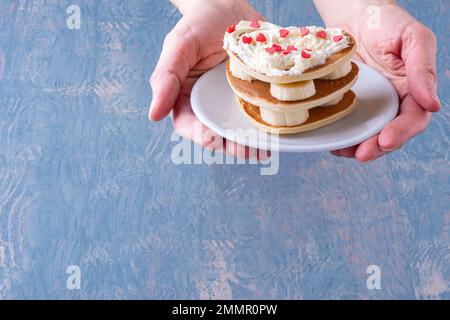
{"points": [[188, 126], [336, 153], [369, 150], [346, 152], [178, 56], [349, 152], [263, 154], [419, 54], [411, 121], [239, 151]]}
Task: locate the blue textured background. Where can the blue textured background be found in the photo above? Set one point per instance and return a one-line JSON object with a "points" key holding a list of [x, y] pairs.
{"points": [[86, 179]]}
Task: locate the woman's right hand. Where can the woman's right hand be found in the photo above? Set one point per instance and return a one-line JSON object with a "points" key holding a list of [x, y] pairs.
{"points": [[193, 47]]}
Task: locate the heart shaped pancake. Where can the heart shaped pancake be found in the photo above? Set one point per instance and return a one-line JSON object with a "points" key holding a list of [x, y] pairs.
{"points": [[274, 54], [318, 117]]}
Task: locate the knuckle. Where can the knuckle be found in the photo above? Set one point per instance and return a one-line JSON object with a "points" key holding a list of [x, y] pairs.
{"points": [[421, 30], [423, 125], [430, 34], [171, 36], [179, 36], [421, 128], [391, 144], [153, 78], [431, 69], [433, 37], [426, 33]]}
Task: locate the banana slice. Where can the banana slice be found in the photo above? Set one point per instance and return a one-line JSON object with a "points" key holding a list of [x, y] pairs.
{"points": [[333, 102], [238, 72], [285, 119], [341, 72], [293, 91]]}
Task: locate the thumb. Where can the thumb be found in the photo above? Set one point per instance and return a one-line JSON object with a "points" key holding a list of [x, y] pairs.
{"points": [[178, 56], [419, 55]]}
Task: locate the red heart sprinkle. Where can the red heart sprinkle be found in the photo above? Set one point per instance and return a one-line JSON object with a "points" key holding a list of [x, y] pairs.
{"points": [[285, 52], [277, 47], [255, 24], [305, 54], [261, 38], [304, 31], [270, 50], [284, 33], [322, 34], [231, 29], [247, 40], [338, 38], [291, 48]]}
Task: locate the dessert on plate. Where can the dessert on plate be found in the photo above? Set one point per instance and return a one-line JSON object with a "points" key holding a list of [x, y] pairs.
{"points": [[291, 80]]}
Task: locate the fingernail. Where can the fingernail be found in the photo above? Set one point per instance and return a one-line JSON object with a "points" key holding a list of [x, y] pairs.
{"points": [[436, 99], [152, 105], [390, 150], [368, 161], [364, 161]]}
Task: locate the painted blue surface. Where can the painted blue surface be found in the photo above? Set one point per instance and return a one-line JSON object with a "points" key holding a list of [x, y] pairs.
{"points": [[87, 180]]}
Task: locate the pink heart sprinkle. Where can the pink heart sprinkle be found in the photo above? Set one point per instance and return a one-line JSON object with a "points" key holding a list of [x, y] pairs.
{"points": [[284, 33], [247, 40], [255, 24], [304, 31], [322, 34], [305, 54], [338, 38]]}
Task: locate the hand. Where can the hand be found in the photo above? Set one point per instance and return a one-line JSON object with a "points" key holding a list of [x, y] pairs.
{"points": [[405, 52], [193, 47]]}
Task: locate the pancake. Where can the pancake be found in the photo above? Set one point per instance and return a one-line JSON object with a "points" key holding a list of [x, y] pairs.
{"points": [[318, 117], [333, 62], [258, 93]]}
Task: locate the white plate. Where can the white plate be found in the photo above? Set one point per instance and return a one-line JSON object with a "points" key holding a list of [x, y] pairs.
{"points": [[214, 104]]}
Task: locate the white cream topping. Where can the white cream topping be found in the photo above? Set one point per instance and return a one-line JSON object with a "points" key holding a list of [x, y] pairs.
{"points": [[238, 71], [256, 57]]}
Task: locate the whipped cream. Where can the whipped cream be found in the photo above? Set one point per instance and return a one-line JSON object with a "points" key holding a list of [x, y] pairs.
{"points": [[256, 55]]}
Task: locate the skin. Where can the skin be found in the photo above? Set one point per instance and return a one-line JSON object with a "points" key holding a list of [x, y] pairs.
{"points": [[405, 52], [193, 47], [402, 49]]}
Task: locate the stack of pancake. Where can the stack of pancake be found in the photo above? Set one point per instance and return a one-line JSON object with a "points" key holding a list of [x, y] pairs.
{"points": [[291, 80]]}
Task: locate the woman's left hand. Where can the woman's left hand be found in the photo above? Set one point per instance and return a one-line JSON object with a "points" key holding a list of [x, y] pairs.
{"points": [[405, 52]]}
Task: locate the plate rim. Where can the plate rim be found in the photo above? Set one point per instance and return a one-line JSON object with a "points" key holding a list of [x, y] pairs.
{"points": [[372, 131]]}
